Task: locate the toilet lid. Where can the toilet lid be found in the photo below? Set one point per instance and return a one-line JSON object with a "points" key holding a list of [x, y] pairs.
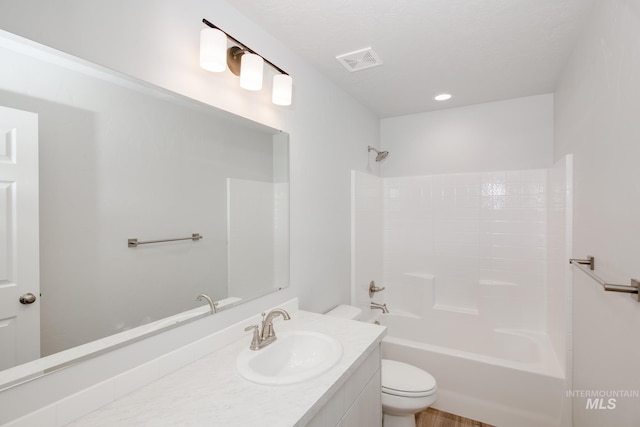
{"points": [[402, 379]]}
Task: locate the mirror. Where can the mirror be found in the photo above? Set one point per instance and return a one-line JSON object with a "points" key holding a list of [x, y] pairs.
{"points": [[120, 159]]}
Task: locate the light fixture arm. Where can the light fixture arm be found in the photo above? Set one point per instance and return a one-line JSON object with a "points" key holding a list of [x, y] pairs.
{"points": [[245, 47]]}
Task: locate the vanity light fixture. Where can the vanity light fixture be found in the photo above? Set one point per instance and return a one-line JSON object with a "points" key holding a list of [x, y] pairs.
{"points": [[442, 97], [241, 61]]}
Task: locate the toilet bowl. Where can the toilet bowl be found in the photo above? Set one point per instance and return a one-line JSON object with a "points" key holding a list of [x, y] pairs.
{"points": [[406, 389]]}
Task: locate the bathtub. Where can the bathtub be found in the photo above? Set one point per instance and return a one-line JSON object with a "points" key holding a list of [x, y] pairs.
{"points": [[503, 377]]}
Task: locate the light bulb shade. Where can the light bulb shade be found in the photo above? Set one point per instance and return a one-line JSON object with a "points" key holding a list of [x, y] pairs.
{"points": [[282, 88], [251, 66], [213, 50]]}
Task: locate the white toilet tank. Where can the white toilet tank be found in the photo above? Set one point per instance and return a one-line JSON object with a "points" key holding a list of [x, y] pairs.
{"points": [[346, 312]]}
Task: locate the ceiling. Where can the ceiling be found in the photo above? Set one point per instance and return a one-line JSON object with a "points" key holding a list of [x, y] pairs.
{"points": [[478, 50]]}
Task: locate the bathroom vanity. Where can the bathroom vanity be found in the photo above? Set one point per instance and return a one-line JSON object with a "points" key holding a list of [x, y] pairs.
{"points": [[209, 391]]}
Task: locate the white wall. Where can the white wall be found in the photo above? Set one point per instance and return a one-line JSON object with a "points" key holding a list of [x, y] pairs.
{"points": [[504, 135], [596, 115], [157, 41]]}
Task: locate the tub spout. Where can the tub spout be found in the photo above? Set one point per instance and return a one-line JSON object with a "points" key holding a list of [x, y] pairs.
{"points": [[382, 307]]}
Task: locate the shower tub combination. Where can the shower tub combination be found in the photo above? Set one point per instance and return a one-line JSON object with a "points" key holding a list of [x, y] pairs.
{"points": [[505, 377], [476, 280]]}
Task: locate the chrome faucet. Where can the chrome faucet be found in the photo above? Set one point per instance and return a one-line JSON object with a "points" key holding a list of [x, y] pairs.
{"points": [[268, 334], [382, 307]]}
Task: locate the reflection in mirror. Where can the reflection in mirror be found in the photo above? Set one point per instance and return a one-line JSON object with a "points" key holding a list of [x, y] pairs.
{"points": [[118, 160]]}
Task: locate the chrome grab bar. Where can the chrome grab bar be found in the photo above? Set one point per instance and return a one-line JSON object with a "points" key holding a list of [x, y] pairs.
{"points": [[590, 262], [133, 243]]}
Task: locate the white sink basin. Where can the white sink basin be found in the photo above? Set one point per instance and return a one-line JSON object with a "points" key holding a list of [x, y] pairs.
{"points": [[294, 357]]}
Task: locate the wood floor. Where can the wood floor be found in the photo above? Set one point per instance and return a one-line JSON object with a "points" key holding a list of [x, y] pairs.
{"points": [[434, 418]]}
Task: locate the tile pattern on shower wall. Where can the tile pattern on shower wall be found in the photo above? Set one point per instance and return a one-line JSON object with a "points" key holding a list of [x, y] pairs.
{"points": [[513, 248], [482, 236], [408, 242], [408, 229], [456, 227]]}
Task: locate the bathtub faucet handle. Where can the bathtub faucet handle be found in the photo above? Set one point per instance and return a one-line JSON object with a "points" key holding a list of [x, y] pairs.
{"points": [[373, 289]]}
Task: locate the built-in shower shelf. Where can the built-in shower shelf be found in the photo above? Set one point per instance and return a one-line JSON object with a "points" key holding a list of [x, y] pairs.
{"points": [[421, 275], [456, 309], [484, 282]]}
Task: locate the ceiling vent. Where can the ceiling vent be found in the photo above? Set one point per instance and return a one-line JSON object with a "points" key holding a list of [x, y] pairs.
{"points": [[359, 60]]}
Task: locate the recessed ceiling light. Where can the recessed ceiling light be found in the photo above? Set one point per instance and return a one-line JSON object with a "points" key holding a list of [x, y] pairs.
{"points": [[442, 97]]}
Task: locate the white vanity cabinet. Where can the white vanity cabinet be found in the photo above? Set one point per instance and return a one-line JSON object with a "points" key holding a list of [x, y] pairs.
{"points": [[367, 409], [357, 402]]}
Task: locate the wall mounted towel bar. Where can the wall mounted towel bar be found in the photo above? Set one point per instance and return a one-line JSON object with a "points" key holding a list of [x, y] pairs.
{"points": [[591, 263], [133, 243]]}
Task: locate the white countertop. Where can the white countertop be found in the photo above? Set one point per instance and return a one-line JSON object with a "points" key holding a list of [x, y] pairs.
{"points": [[210, 391]]}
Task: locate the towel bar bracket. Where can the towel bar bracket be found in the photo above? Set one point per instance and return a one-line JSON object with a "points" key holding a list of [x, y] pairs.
{"points": [[590, 261]]}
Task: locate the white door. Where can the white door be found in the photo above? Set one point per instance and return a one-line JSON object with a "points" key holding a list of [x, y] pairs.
{"points": [[19, 230]]}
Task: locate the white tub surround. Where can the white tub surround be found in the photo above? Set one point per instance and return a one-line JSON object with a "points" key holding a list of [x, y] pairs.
{"points": [[469, 363], [209, 391], [513, 348]]}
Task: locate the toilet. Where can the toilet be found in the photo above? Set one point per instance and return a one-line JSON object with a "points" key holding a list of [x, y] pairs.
{"points": [[406, 389]]}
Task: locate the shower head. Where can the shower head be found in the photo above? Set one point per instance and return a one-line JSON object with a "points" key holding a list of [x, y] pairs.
{"points": [[381, 154]]}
